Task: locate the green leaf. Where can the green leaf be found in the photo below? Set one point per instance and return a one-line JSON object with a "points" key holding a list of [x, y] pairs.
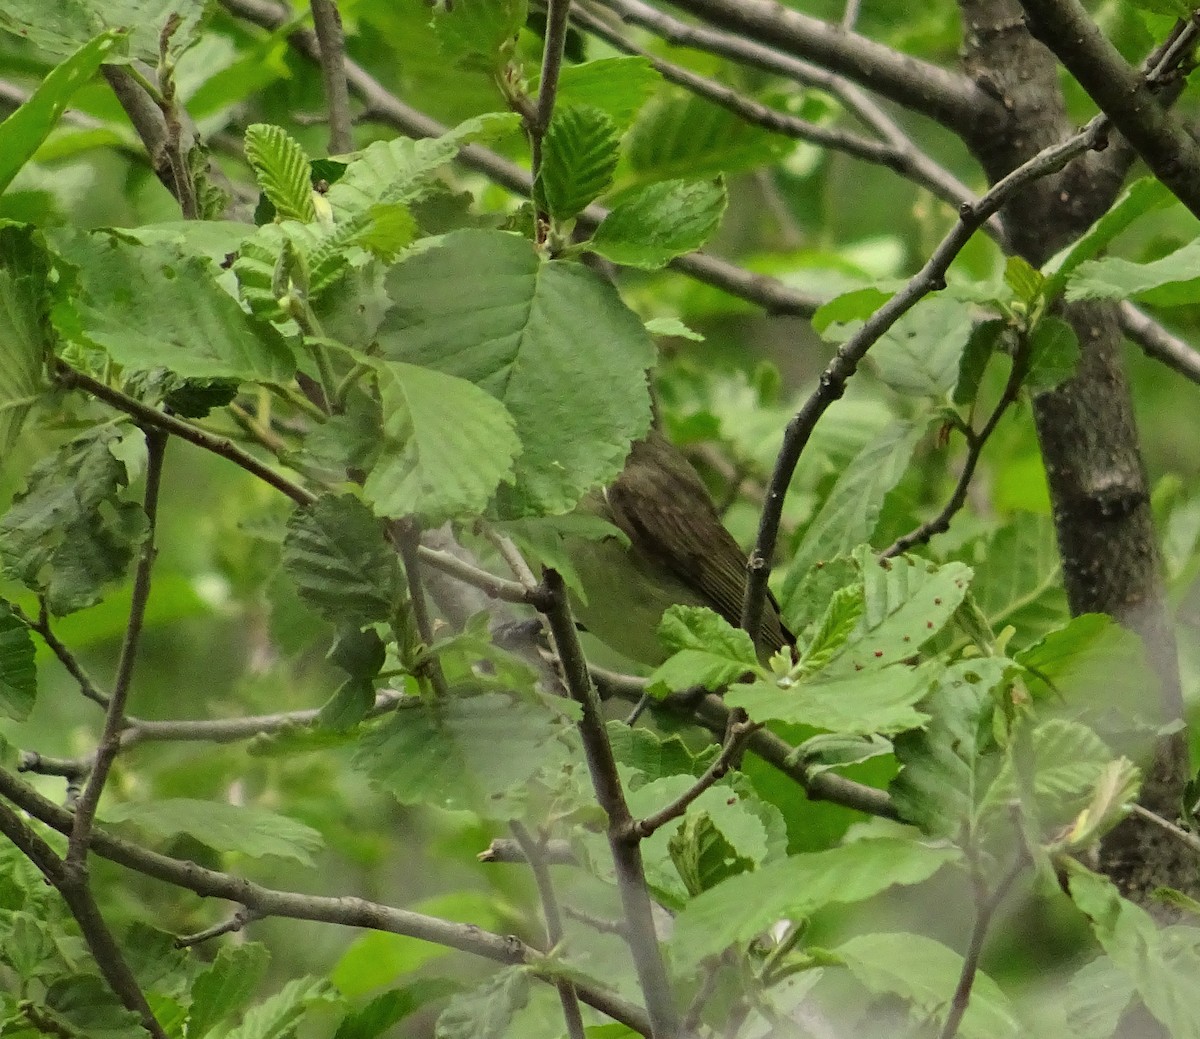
{"points": [[706, 650], [281, 168], [277, 1016], [64, 27], [69, 534], [617, 86], [579, 155], [1053, 354], [1025, 280], [221, 826], [702, 855], [652, 226], [1091, 652], [829, 750], [24, 324], [854, 306], [749, 903], [1162, 967], [981, 344], [684, 136], [338, 555], [1019, 583], [834, 629], [487, 1011], [651, 754], [150, 306], [445, 756], [1141, 197], [878, 700], [225, 986], [23, 132], [920, 354], [945, 770], [1170, 281], [18, 673], [447, 446], [390, 1007], [551, 340], [84, 1002], [906, 602], [925, 973], [477, 34], [850, 512]]}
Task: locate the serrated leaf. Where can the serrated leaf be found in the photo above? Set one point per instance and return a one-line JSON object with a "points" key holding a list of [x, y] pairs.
{"points": [[68, 534], [920, 354], [875, 701], [834, 629], [850, 307], [281, 168], [749, 903], [829, 750], [1091, 654], [1114, 791], [337, 554], [1019, 583], [84, 1002], [1141, 197], [617, 86], [706, 650], [981, 344], [1170, 281], [906, 602], [684, 136], [487, 1011], [18, 673], [652, 226], [1053, 354], [150, 306], [476, 34], [848, 515], [1161, 966], [388, 1008], [1025, 280], [24, 325], [944, 766], [702, 855], [221, 826], [65, 27], [277, 1016], [23, 132], [447, 446], [925, 973], [579, 155], [551, 340], [225, 986], [445, 755], [651, 754]]}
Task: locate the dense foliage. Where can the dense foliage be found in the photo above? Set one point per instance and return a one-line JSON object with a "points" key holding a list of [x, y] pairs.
{"points": [[305, 366]]}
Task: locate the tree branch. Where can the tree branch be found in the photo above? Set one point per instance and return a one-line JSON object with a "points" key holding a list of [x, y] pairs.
{"points": [[952, 100], [1125, 96], [347, 911], [622, 840], [327, 22], [845, 362], [114, 719], [104, 948], [1155, 341]]}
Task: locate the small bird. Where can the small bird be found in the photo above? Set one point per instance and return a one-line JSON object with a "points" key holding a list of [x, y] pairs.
{"points": [[679, 553]]}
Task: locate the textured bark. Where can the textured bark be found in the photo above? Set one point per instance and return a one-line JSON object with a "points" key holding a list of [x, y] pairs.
{"points": [[1086, 427]]}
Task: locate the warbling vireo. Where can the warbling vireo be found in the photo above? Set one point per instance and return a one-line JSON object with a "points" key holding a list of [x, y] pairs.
{"points": [[679, 553]]}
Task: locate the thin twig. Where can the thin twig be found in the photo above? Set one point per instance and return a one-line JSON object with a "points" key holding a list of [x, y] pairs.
{"points": [[532, 850], [87, 686], [1156, 342], [407, 539], [975, 445], [622, 841], [114, 719], [737, 736], [832, 384], [348, 911], [327, 22], [985, 909], [488, 583], [1188, 839], [558, 13], [233, 925], [100, 941], [148, 416]]}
